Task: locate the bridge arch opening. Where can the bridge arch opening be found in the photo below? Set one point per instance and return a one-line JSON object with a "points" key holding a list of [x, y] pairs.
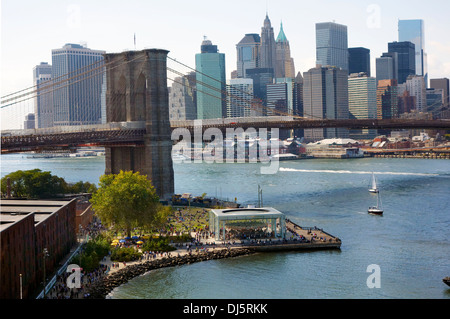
{"points": [[140, 98]]}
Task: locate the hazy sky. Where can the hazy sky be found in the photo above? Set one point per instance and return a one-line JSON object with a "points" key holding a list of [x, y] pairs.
{"points": [[31, 29]]}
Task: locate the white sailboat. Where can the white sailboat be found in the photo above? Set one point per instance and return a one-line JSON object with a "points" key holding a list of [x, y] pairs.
{"points": [[373, 187], [376, 210]]}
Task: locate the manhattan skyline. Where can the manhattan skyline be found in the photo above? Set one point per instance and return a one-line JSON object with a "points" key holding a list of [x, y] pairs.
{"points": [[28, 36]]}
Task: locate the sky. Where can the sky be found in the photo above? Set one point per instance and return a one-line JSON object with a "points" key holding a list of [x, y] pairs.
{"points": [[30, 29]]}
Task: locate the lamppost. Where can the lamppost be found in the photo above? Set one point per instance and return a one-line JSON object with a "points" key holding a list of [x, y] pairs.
{"points": [[45, 255]]}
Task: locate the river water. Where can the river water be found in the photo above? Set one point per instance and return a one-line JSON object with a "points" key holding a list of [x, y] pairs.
{"points": [[410, 243]]}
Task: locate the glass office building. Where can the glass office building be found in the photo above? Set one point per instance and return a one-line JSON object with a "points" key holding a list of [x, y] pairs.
{"points": [[211, 85], [406, 61], [358, 60], [248, 54], [414, 31], [78, 77], [43, 102], [332, 45]]}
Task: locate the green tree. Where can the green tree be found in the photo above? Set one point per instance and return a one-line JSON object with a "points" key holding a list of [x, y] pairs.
{"points": [[34, 184], [125, 201]]}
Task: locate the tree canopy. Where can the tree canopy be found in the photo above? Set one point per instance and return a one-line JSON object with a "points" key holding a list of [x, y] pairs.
{"points": [[127, 200], [38, 184]]}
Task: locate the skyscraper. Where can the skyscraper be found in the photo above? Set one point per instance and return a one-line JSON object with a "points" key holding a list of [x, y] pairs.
{"points": [[406, 59], [182, 102], [387, 66], [239, 97], [325, 95], [358, 60], [261, 77], [267, 49], [248, 54], [79, 102], [442, 84], [284, 67], [362, 102], [210, 78], [387, 99], [415, 85], [414, 31], [332, 45], [43, 102]]}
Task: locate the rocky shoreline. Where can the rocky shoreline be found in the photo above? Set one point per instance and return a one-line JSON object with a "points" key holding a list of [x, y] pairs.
{"points": [[101, 288]]}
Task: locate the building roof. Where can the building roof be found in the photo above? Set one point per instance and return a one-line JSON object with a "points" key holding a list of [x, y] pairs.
{"points": [[250, 38], [247, 213], [281, 36], [12, 211], [336, 141]]}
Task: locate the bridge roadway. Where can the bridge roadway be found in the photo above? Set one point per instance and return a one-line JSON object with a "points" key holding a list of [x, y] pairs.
{"points": [[132, 133]]}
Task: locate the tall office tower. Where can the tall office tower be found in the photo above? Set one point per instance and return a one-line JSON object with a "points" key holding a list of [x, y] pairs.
{"points": [[239, 97], [435, 99], [29, 122], [261, 77], [248, 53], [284, 67], [332, 45], [43, 102], [298, 101], [79, 102], [267, 49], [362, 102], [387, 66], [325, 95], [358, 60], [182, 100], [210, 78], [406, 102], [442, 84], [406, 59], [280, 96], [415, 85], [387, 99], [414, 31]]}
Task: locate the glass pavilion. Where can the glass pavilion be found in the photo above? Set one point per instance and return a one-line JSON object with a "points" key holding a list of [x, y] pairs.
{"points": [[267, 220]]}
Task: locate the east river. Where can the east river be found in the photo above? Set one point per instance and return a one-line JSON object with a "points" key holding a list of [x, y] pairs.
{"points": [[410, 243]]}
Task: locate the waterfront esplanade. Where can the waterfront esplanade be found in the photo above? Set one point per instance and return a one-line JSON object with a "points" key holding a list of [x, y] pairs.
{"points": [[267, 218]]}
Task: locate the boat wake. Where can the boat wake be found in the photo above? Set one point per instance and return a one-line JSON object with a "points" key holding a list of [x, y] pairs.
{"points": [[283, 169]]}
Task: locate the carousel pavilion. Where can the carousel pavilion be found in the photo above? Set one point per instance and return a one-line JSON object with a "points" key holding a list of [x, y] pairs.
{"points": [[247, 223]]}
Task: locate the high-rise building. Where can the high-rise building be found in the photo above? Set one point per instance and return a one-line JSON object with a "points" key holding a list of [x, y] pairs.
{"points": [[248, 54], [79, 100], [442, 84], [211, 85], [298, 101], [406, 59], [43, 102], [239, 97], [29, 122], [435, 101], [359, 60], [406, 102], [387, 99], [325, 95], [362, 102], [284, 67], [261, 77], [414, 31], [386, 66], [415, 85], [280, 96], [182, 99], [332, 45], [267, 49]]}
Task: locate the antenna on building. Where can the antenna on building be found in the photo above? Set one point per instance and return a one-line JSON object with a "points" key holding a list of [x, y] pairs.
{"points": [[135, 40]]}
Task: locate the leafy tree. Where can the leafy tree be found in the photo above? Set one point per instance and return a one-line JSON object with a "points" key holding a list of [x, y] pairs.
{"points": [[34, 184], [126, 200]]}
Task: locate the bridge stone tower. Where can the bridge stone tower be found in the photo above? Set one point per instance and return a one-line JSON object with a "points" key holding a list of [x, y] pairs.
{"points": [[137, 91]]}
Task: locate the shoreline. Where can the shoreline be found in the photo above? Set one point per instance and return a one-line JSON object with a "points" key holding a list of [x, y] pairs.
{"points": [[103, 287]]}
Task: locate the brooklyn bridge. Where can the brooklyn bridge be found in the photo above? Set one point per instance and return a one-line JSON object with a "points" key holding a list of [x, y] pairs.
{"points": [[138, 134]]}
